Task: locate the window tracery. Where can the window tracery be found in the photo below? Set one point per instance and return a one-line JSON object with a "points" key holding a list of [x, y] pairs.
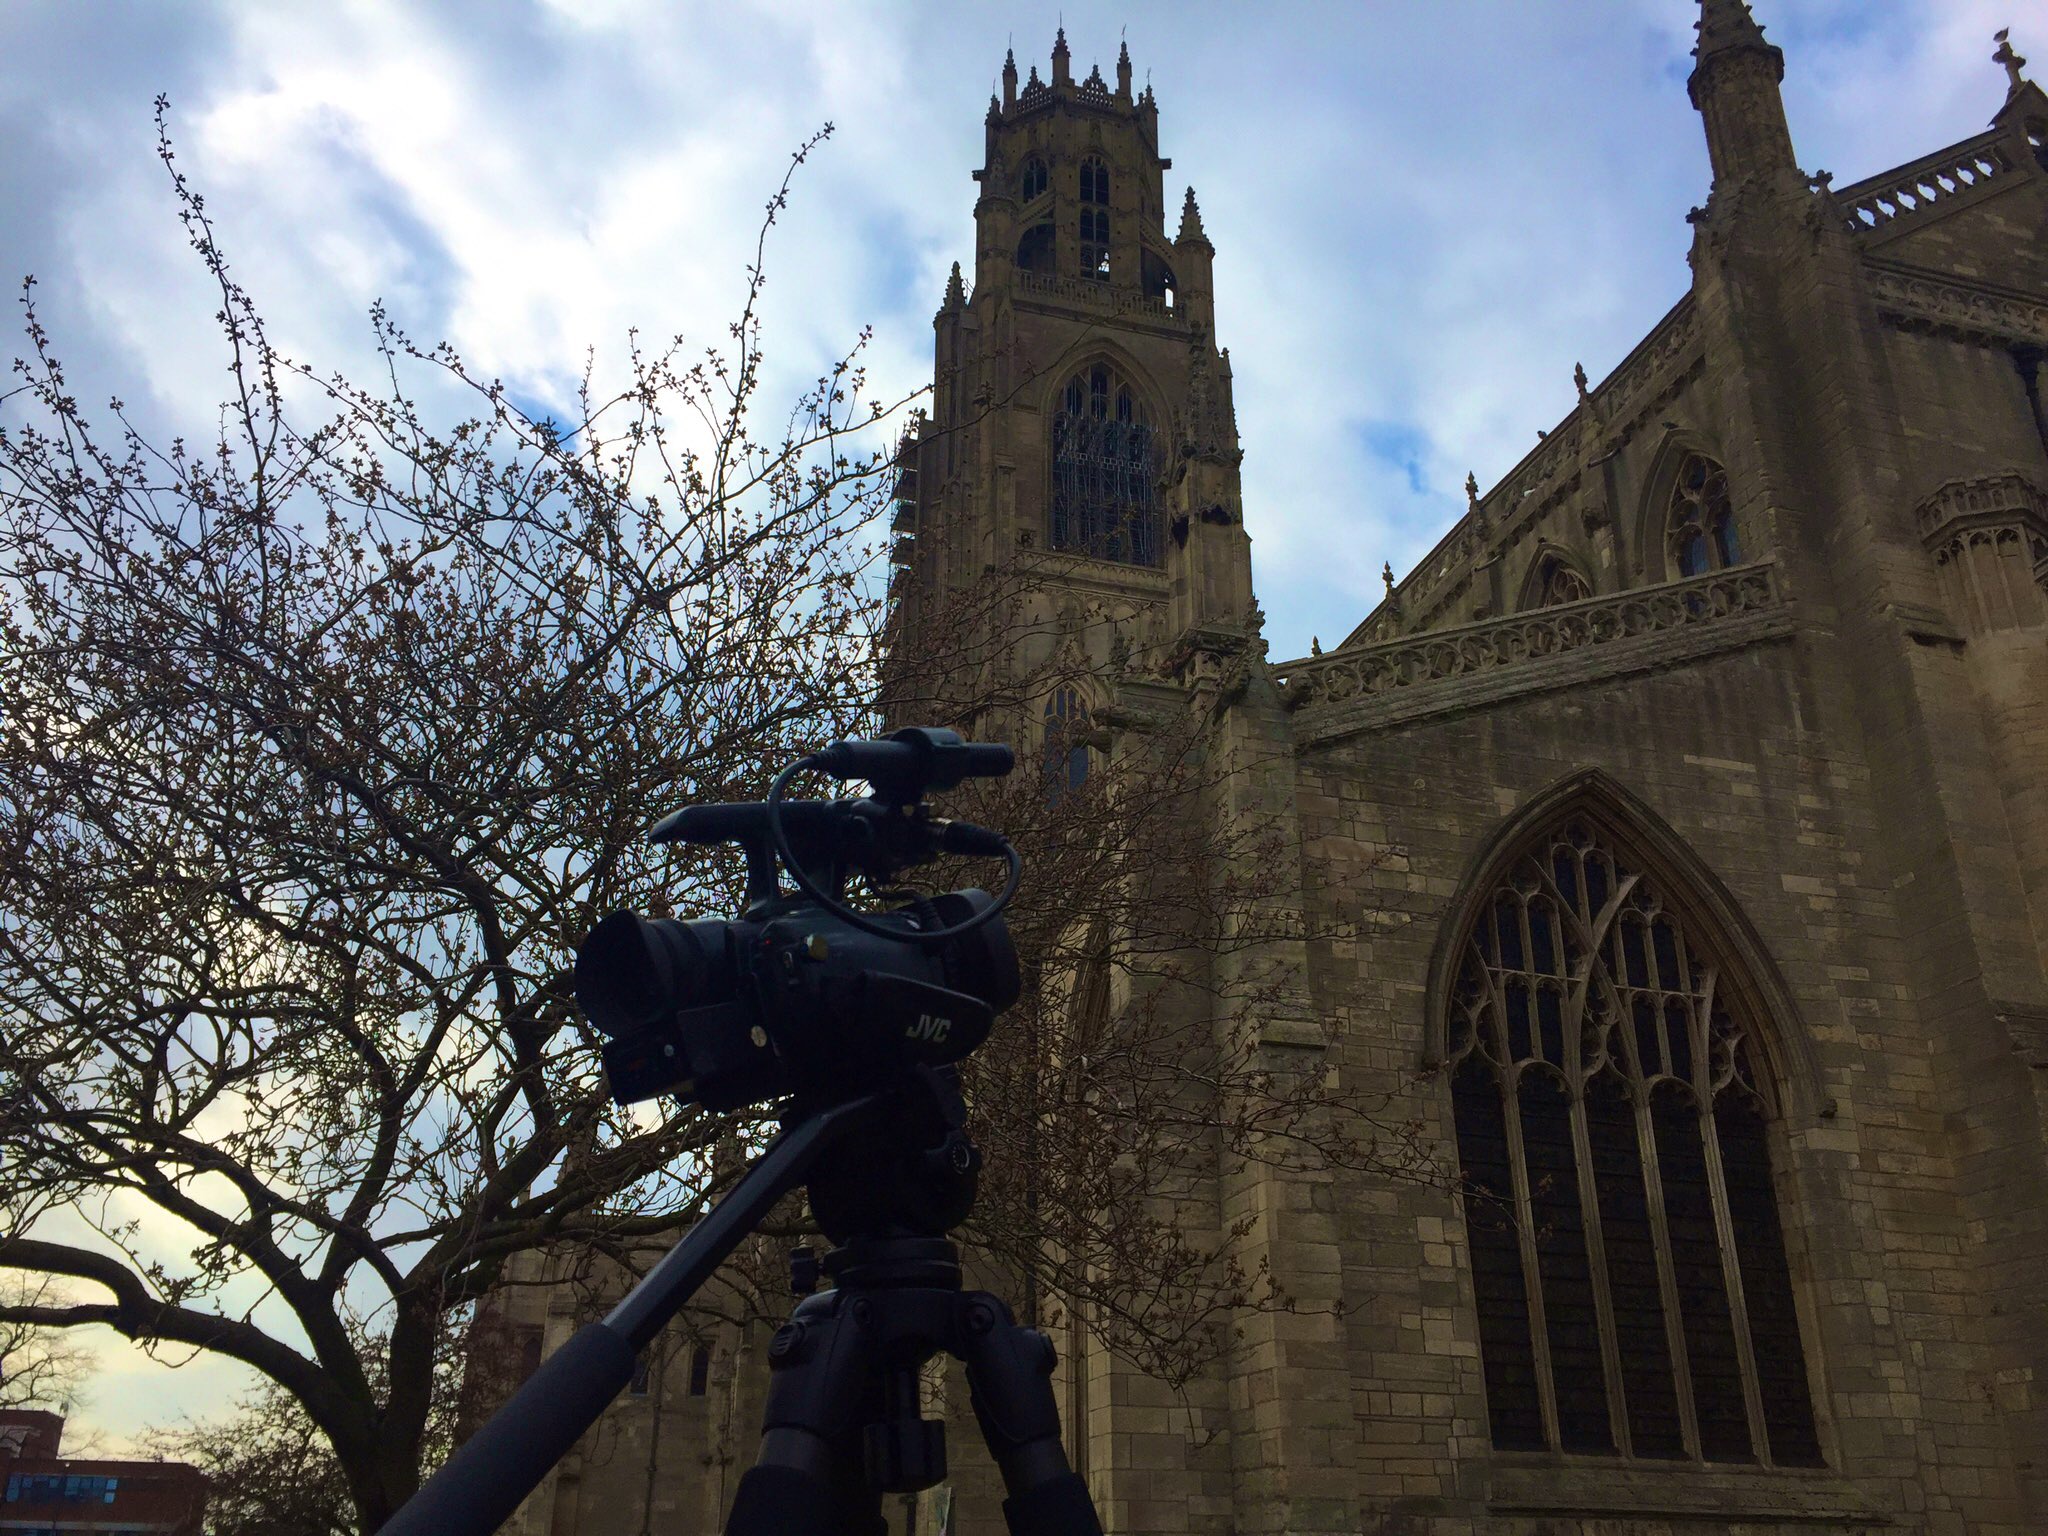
{"points": [[1633, 1291], [1104, 470], [1066, 756], [1700, 519], [1094, 219], [1557, 581], [1033, 181]]}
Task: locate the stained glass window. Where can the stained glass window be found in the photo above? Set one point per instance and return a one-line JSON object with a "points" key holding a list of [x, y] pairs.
{"points": [[1559, 581], [1701, 519], [1628, 1257], [1066, 756], [1104, 471]]}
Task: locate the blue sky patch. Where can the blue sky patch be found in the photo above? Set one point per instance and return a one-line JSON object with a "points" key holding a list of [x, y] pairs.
{"points": [[1401, 444]]}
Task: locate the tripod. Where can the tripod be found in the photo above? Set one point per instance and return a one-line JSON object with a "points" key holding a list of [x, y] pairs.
{"points": [[842, 1425]]}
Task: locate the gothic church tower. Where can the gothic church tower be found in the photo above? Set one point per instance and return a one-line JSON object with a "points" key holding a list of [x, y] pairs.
{"points": [[1081, 424]]}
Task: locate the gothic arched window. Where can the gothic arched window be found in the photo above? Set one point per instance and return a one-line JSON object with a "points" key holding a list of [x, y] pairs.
{"points": [[1157, 278], [1035, 250], [1628, 1261], [1104, 470], [1094, 219], [1033, 181], [1556, 580], [1701, 519], [1066, 755]]}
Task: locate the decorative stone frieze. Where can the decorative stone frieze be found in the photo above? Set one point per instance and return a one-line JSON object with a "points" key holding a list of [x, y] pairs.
{"points": [[1357, 672], [1916, 300]]}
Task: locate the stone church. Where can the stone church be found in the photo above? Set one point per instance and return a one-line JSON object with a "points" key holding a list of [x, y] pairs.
{"points": [[1681, 821]]}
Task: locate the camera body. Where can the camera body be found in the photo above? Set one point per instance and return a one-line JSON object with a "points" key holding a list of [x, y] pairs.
{"points": [[802, 995], [796, 1001]]}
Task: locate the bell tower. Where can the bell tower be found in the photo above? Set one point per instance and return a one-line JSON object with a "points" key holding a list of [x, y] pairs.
{"points": [[1082, 442]]}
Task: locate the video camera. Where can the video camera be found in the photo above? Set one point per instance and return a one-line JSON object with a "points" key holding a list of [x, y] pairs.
{"points": [[802, 994]]}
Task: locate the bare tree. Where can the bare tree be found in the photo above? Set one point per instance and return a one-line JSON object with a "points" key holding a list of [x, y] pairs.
{"points": [[324, 742], [1152, 930], [39, 1367], [269, 1469]]}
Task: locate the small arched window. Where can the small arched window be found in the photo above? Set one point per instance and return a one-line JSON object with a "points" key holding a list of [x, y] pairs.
{"points": [[1095, 219], [700, 1370], [1094, 181], [1035, 250], [1701, 519], [1628, 1262], [1159, 280], [1557, 580], [2037, 140], [1105, 490], [1033, 182], [1066, 755]]}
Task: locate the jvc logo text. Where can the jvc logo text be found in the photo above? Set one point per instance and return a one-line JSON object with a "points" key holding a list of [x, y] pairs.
{"points": [[929, 1028]]}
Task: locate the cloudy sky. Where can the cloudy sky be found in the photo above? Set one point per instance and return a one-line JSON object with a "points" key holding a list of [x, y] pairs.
{"points": [[1424, 214]]}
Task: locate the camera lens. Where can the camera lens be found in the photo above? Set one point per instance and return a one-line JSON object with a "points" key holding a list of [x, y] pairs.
{"points": [[982, 962], [634, 972]]}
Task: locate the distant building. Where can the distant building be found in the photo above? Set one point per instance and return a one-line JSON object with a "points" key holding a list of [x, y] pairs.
{"points": [[48, 1494]]}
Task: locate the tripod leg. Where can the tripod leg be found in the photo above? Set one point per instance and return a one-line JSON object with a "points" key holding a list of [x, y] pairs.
{"points": [[784, 1497], [1009, 1371], [809, 1479]]}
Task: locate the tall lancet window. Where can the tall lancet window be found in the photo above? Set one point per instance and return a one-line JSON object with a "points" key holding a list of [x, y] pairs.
{"points": [[1066, 754], [1612, 1121], [1105, 492], [1701, 519], [1095, 219]]}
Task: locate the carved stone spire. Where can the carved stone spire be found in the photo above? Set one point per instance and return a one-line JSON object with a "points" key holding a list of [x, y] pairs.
{"points": [[1734, 84], [1010, 77], [2012, 61], [1726, 24], [956, 290], [1062, 71], [1123, 71], [1191, 231]]}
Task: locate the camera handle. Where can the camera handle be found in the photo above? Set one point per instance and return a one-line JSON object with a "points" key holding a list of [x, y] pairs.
{"points": [[479, 1487]]}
